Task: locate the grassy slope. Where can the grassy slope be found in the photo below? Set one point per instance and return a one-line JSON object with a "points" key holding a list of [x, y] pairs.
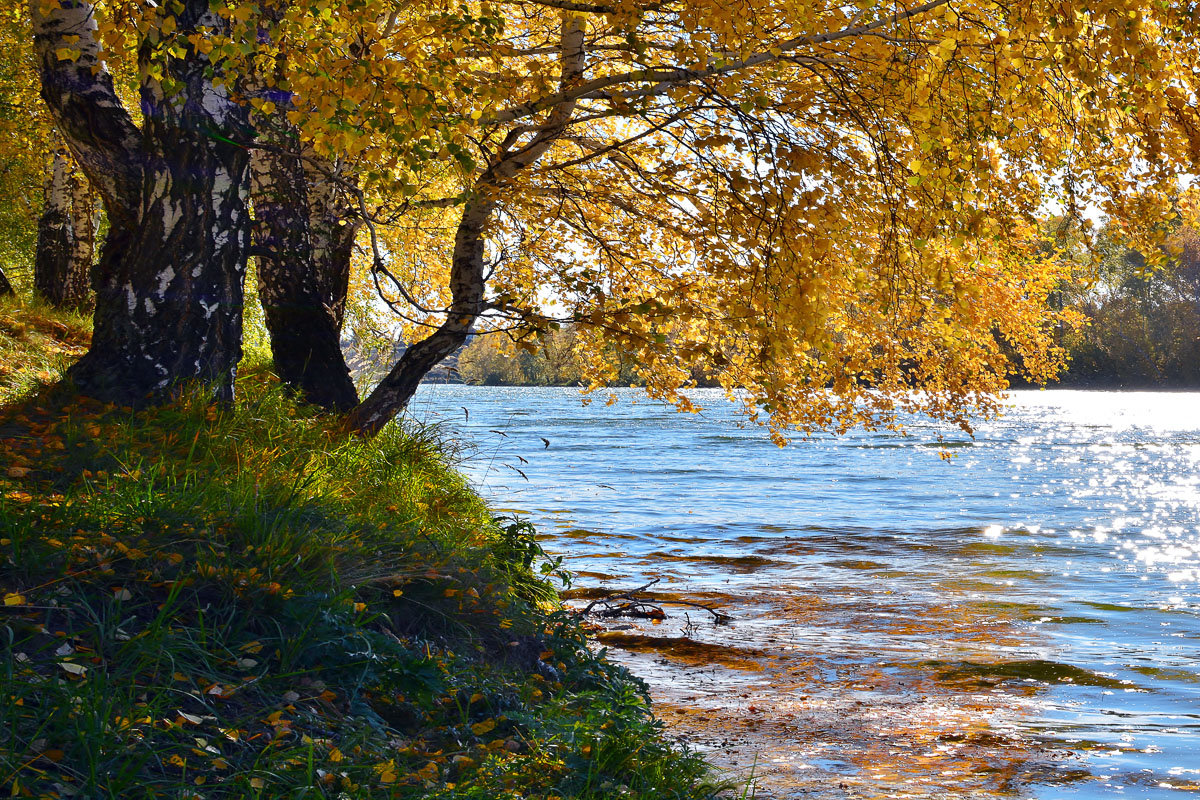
{"points": [[244, 603]]}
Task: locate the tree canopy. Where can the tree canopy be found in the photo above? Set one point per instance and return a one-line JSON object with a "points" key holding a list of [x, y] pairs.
{"points": [[829, 208]]}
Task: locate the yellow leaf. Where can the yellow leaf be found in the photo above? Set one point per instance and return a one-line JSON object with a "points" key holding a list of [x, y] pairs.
{"points": [[14, 599], [387, 771], [480, 728]]}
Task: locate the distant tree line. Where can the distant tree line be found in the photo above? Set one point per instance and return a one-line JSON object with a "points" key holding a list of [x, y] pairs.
{"points": [[495, 360], [1143, 319], [552, 360]]}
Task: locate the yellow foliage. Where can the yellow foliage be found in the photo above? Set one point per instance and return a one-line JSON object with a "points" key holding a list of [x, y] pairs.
{"points": [[829, 209]]}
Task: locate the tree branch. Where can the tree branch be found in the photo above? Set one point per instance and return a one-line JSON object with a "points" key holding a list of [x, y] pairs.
{"points": [[666, 78]]}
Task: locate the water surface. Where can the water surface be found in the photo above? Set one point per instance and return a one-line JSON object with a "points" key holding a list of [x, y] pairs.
{"points": [[1018, 622]]}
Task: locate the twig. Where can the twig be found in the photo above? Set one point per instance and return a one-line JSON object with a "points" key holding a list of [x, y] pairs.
{"points": [[647, 608], [626, 595]]}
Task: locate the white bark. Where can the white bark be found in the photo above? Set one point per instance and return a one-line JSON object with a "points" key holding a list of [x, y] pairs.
{"points": [[85, 106]]}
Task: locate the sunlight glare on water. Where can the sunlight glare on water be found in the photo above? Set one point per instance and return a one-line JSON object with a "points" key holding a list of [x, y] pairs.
{"points": [[1020, 621]]}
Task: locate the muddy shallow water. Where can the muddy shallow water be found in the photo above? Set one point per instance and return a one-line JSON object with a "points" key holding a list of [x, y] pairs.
{"points": [[1023, 621]]}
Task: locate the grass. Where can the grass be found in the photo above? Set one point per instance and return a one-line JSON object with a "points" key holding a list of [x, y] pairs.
{"points": [[36, 344], [242, 602]]}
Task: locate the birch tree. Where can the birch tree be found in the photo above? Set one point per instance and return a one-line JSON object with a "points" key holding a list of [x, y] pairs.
{"points": [[66, 238], [169, 284], [829, 207]]}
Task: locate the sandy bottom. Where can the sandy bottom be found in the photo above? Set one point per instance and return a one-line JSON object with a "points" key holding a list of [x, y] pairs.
{"points": [[901, 710]]}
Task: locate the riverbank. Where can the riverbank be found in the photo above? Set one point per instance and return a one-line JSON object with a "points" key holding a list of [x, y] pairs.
{"points": [[241, 602], [1020, 619]]}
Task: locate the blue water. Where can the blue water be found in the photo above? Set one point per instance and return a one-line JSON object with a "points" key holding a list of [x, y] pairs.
{"points": [[1021, 620]]}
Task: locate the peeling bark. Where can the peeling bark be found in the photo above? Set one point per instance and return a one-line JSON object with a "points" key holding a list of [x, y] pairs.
{"points": [[303, 245], [66, 239], [171, 272]]}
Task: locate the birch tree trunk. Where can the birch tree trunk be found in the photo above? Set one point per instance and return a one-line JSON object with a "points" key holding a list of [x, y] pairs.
{"points": [[170, 276], [66, 239], [304, 242], [468, 281], [467, 286]]}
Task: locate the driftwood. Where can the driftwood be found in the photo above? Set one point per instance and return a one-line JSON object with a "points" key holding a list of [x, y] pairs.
{"points": [[626, 603]]}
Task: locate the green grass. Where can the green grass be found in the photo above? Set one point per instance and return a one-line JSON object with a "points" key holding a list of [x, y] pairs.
{"points": [[37, 344], [244, 602]]}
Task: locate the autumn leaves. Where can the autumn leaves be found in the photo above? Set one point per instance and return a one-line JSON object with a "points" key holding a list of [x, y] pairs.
{"points": [[794, 198]]}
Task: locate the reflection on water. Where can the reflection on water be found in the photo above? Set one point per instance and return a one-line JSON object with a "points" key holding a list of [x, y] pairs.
{"points": [[1020, 622]]}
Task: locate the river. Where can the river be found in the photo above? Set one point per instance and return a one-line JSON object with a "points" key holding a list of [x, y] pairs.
{"points": [[1019, 621]]}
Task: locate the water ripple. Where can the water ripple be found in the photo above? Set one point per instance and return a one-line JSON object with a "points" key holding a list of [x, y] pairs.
{"points": [[1020, 621]]}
